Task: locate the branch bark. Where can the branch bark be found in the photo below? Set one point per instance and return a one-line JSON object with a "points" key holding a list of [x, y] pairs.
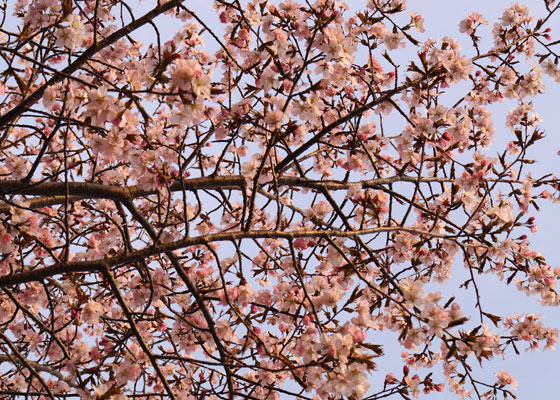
{"points": [[135, 256], [81, 60]]}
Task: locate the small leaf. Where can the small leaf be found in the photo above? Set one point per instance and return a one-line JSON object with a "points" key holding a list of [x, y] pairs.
{"points": [[494, 318]]}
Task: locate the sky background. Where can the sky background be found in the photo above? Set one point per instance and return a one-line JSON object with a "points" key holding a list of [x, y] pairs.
{"points": [[536, 372]]}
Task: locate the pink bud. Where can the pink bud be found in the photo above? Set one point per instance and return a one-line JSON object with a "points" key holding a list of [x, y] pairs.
{"points": [[390, 378], [300, 243], [287, 84], [358, 335], [533, 228], [549, 281]]}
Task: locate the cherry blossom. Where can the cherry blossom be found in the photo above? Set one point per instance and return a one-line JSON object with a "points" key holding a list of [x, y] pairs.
{"points": [[238, 207], [469, 24]]}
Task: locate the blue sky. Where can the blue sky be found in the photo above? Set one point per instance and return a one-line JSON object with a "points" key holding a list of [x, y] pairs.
{"points": [[534, 371]]}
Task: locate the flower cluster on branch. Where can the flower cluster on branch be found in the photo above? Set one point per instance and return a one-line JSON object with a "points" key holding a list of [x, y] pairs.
{"points": [[181, 223]]}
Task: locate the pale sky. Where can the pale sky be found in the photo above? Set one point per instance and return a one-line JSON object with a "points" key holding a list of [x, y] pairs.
{"points": [[534, 371]]}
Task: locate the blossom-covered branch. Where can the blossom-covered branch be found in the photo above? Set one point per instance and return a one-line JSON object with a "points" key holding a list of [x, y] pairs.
{"points": [[234, 209]]}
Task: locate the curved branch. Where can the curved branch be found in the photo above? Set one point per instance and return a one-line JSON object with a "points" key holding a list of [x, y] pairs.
{"points": [[40, 367], [135, 256], [81, 60]]}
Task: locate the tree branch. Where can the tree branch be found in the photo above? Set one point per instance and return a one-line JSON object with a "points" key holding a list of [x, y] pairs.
{"points": [[81, 60], [135, 256]]}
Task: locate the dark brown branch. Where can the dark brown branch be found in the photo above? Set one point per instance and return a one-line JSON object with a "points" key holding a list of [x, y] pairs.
{"points": [[52, 193], [81, 60], [135, 256], [126, 310], [27, 365], [194, 292], [359, 111]]}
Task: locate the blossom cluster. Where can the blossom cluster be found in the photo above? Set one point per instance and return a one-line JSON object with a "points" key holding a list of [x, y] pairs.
{"points": [[238, 209]]}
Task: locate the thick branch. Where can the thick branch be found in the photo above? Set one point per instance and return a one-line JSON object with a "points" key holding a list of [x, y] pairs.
{"points": [[39, 367], [135, 256], [52, 193]]}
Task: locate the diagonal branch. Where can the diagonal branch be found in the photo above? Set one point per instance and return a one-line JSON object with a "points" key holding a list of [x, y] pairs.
{"points": [[194, 292], [126, 310], [135, 256], [39, 367], [359, 111], [29, 366], [81, 60]]}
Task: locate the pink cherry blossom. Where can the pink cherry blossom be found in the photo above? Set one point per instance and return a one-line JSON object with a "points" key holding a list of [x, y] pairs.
{"points": [[238, 208]]}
